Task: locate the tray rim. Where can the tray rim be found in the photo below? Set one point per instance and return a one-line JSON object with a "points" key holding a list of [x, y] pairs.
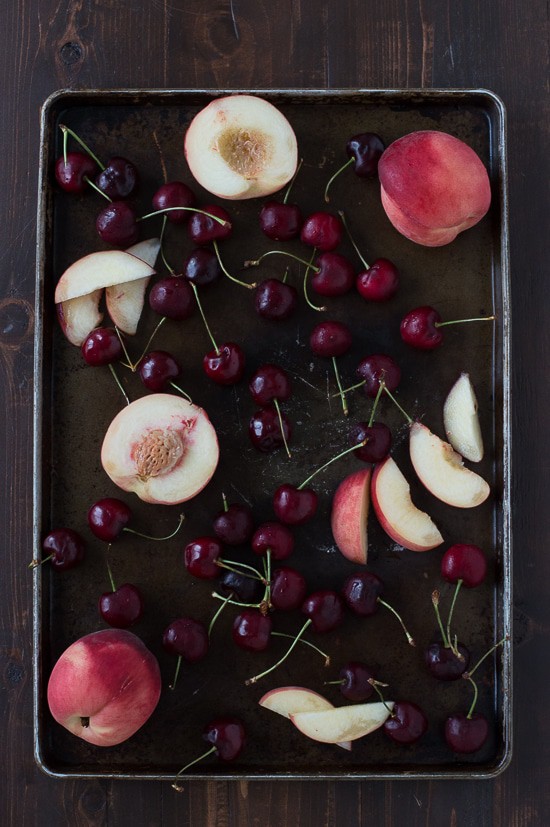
{"points": [[498, 152]]}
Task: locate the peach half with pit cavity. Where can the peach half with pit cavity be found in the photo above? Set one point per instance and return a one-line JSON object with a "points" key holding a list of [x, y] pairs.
{"points": [[161, 447]]}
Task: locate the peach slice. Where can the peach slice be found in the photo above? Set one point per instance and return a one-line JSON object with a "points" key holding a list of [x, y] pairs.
{"points": [[461, 420], [287, 700], [399, 517], [79, 289], [125, 301], [161, 447], [350, 511], [343, 723], [241, 146], [441, 470], [433, 186]]}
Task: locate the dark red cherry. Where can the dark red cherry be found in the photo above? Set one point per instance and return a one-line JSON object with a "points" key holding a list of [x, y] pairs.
{"points": [[280, 222], [466, 734], [322, 230], [108, 518], [187, 638], [443, 663], [174, 194], [158, 369], [354, 681], [202, 267], [202, 228], [64, 548], [325, 609], [275, 538], [268, 383], [101, 347], [419, 328], [466, 563], [264, 430], [335, 276], [119, 179], [406, 724], [288, 589], [227, 736], [244, 588], [225, 366], [330, 338], [361, 592], [123, 607], [366, 149], [379, 282], [275, 300], [378, 367], [294, 506], [378, 441], [200, 557], [116, 224], [172, 297], [71, 176], [252, 630], [234, 525]]}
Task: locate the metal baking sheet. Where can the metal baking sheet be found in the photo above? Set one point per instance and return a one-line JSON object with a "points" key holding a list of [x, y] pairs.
{"points": [[74, 405]]}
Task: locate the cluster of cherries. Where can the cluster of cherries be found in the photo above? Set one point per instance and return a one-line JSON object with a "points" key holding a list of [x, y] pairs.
{"points": [[259, 593]]}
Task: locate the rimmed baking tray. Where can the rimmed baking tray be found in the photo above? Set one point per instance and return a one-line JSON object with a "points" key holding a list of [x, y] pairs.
{"points": [[74, 404]]}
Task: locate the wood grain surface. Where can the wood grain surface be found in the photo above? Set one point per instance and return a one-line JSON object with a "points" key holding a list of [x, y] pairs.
{"points": [[502, 46]]}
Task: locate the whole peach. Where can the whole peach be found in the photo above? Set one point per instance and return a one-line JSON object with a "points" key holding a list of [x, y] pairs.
{"points": [[104, 687], [433, 186]]}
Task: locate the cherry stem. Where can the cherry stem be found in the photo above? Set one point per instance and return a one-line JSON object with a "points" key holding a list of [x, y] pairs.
{"points": [[225, 564], [460, 321], [435, 604], [218, 612], [326, 465], [201, 311], [233, 602], [395, 402], [352, 387], [66, 131], [226, 273], [336, 174], [117, 380], [307, 643], [256, 262], [486, 655], [334, 683], [409, 637], [161, 157], [35, 563], [225, 505], [354, 245], [381, 387], [340, 389], [267, 566], [281, 426], [178, 665], [158, 539], [110, 573], [474, 701], [306, 297], [183, 393], [216, 218], [96, 188], [166, 264], [451, 610], [291, 182], [123, 346], [175, 784], [375, 684], [134, 365], [256, 678]]}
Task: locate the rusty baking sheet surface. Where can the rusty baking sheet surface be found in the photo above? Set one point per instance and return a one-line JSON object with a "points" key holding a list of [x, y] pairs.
{"points": [[75, 403]]}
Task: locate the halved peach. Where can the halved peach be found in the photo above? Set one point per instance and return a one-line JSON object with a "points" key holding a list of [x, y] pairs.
{"points": [[161, 447], [241, 146]]}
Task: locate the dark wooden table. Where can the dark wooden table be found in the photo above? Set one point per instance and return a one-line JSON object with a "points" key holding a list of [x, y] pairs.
{"points": [[502, 46]]}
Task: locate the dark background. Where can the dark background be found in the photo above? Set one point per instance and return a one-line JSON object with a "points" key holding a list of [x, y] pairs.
{"points": [[90, 44]]}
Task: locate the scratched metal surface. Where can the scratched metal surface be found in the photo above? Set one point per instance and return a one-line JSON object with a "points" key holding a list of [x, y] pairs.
{"points": [[74, 405]]}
